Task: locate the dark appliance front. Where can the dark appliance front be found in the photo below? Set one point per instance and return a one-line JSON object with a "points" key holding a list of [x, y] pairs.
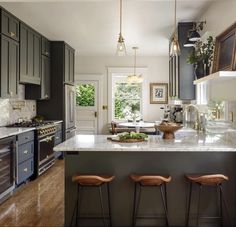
{"points": [[7, 166], [45, 157]]}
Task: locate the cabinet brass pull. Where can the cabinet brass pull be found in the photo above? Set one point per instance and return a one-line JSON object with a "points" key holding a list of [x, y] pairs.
{"points": [[25, 169], [46, 96], [57, 137], [47, 53], [12, 34], [96, 114], [26, 152]]}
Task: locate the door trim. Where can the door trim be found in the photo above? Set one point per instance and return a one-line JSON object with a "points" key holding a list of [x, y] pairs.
{"points": [[99, 78]]}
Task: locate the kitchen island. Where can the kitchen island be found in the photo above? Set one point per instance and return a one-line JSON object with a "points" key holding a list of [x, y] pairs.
{"points": [[189, 152]]}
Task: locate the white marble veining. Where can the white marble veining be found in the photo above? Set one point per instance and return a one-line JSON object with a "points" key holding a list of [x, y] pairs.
{"points": [[6, 132], [186, 140], [10, 115]]}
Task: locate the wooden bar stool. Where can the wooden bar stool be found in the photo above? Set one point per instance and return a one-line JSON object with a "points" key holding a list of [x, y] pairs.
{"points": [[149, 181], [92, 181], [202, 180]]}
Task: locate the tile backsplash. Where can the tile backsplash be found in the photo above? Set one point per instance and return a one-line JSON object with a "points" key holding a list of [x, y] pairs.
{"points": [[13, 109]]}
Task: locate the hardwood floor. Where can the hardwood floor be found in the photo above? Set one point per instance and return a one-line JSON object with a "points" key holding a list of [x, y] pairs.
{"points": [[39, 203]]}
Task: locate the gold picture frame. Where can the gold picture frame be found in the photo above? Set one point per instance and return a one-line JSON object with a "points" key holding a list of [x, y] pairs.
{"points": [[158, 93]]}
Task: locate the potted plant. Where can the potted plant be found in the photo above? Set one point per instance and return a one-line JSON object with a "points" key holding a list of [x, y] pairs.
{"points": [[202, 57]]}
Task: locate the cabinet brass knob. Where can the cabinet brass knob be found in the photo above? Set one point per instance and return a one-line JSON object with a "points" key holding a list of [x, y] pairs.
{"points": [[25, 152], [25, 169], [12, 34]]}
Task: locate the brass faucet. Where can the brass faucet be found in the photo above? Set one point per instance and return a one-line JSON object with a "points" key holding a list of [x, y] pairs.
{"points": [[196, 125]]}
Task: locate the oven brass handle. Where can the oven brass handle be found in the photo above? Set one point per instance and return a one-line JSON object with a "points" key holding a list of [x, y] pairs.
{"points": [[26, 152], [25, 169]]}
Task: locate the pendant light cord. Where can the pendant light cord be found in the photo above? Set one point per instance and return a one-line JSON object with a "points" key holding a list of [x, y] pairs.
{"points": [[135, 62], [175, 19], [120, 16]]}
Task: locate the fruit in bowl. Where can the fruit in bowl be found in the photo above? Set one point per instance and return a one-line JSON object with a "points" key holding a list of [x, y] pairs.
{"points": [[168, 129]]}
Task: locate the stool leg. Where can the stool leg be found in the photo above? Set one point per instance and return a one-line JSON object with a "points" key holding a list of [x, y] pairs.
{"points": [[137, 209], [164, 205], [199, 203], [76, 208], [109, 203], [134, 204], [225, 204], [189, 203], [221, 207], [101, 202]]}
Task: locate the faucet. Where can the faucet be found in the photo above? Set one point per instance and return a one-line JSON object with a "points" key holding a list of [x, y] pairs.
{"points": [[196, 125]]}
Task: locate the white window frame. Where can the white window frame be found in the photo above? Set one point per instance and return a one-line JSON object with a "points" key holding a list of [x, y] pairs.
{"points": [[112, 73]]}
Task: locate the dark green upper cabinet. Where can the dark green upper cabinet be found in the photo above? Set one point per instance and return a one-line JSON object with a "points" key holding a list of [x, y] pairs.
{"points": [[9, 67], [69, 65], [9, 25], [41, 92], [30, 55], [46, 48], [181, 74]]}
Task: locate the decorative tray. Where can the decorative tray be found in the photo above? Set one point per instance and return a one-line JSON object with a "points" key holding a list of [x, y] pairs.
{"points": [[129, 137]]}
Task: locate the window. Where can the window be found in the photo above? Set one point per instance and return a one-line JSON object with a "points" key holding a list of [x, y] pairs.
{"points": [[127, 99], [85, 95]]}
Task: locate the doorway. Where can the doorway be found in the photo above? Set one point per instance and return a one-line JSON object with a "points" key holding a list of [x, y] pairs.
{"points": [[88, 103]]}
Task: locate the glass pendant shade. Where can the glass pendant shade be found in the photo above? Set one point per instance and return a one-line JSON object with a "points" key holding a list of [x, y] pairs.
{"points": [[194, 36], [121, 49], [135, 78], [175, 48]]}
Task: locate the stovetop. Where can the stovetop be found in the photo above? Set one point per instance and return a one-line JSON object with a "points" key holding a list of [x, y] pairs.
{"points": [[31, 124]]}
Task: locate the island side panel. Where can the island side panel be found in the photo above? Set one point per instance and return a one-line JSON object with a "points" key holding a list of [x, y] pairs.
{"points": [[122, 164]]}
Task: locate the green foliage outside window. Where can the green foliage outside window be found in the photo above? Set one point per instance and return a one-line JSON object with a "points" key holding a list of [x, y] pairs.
{"points": [[127, 101], [85, 95]]}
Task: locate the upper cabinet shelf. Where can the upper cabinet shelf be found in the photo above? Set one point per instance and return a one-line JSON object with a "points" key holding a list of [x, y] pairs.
{"points": [[216, 77]]}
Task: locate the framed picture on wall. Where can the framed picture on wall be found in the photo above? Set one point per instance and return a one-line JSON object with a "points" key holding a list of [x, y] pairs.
{"points": [[158, 93], [225, 50]]}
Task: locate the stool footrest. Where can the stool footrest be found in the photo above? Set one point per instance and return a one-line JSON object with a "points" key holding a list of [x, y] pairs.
{"points": [[93, 217], [150, 216]]}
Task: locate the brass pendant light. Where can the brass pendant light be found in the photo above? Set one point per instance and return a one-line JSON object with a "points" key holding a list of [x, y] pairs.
{"points": [[174, 47], [135, 78], [121, 50]]}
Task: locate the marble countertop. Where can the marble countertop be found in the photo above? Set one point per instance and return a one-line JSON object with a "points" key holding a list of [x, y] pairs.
{"points": [[6, 132], [186, 140]]}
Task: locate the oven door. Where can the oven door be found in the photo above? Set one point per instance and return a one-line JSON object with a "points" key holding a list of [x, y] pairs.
{"points": [[45, 151]]}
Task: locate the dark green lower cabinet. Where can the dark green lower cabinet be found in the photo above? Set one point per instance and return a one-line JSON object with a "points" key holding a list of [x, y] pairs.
{"points": [[9, 67]]}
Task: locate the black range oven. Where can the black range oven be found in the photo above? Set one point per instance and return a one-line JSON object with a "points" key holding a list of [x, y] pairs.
{"points": [[45, 157]]}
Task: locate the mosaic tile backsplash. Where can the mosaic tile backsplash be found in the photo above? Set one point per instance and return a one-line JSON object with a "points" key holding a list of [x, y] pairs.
{"points": [[13, 109]]}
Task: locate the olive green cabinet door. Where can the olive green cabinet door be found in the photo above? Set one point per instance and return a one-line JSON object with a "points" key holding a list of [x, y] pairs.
{"points": [[67, 64], [46, 78], [30, 56], [9, 67], [10, 25]]}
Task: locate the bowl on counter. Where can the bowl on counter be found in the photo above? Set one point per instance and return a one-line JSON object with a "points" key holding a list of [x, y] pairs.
{"points": [[168, 129]]}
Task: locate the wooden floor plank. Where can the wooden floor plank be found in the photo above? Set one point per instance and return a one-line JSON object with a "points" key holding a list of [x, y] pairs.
{"points": [[38, 203]]}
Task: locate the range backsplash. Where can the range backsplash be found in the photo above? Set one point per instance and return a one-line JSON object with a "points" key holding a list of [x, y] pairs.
{"points": [[13, 109]]}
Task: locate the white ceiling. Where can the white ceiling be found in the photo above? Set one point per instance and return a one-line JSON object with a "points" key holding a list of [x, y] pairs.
{"points": [[92, 26]]}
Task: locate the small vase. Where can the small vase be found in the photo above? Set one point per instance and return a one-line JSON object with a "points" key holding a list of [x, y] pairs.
{"points": [[199, 70]]}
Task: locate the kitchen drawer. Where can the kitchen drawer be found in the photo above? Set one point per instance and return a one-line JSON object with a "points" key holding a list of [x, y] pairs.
{"points": [[25, 151], [58, 138], [25, 170], [25, 137]]}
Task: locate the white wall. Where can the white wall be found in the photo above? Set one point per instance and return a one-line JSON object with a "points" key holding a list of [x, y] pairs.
{"points": [[158, 71], [219, 16]]}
